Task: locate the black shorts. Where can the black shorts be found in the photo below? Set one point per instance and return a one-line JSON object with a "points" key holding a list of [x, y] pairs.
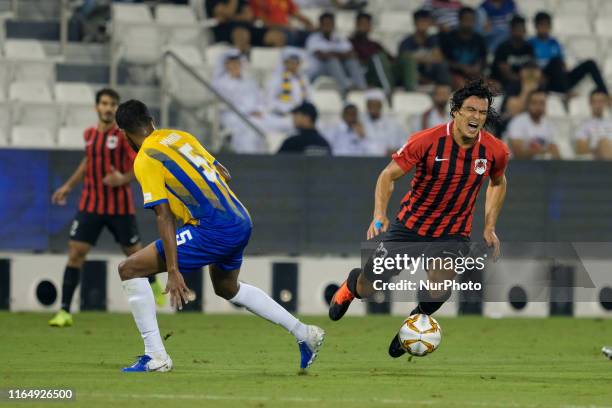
{"points": [[87, 227], [399, 240]]}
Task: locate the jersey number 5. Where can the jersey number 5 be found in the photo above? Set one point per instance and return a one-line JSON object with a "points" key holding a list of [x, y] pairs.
{"points": [[199, 161]]}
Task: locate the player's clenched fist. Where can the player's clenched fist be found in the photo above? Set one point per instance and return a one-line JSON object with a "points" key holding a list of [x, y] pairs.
{"points": [[379, 225]]}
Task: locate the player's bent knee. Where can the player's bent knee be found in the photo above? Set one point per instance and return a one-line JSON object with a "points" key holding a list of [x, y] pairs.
{"points": [[227, 292], [126, 270], [77, 255]]}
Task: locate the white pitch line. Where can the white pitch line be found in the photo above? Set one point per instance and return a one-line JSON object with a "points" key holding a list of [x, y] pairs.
{"points": [[383, 401]]}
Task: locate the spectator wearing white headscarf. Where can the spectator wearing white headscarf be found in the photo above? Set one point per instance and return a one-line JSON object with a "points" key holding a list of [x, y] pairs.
{"points": [[288, 87], [384, 131], [244, 93]]}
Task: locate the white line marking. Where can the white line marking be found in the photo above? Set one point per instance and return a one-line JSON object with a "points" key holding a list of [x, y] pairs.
{"points": [[201, 397]]}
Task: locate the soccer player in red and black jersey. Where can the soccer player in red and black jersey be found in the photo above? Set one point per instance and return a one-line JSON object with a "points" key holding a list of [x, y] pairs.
{"points": [[452, 161], [106, 199]]}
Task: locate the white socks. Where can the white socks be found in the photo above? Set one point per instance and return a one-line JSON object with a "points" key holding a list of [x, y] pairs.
{"points": [[259, 303], [142, 303]]}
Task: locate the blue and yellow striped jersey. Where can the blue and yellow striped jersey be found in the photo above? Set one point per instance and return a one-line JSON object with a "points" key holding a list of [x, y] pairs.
{"points": [[173, 167]]}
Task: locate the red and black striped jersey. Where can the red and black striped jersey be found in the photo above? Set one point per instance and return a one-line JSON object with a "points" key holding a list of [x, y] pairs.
{"points": [[447, 179], [104, 151]]}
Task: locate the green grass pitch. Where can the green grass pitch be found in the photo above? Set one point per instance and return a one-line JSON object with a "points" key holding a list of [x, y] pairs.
{"points": [[241, 360]]}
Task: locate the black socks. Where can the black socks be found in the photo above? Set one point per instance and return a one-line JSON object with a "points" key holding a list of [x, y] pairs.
{"points": [[72, 276]]}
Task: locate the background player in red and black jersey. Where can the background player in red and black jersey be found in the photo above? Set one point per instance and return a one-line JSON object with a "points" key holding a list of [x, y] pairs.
{"points": [[106, 200], [452, 161]]}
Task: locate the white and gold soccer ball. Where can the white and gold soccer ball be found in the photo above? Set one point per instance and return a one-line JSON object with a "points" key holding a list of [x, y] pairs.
{"points": [[420, 335]]}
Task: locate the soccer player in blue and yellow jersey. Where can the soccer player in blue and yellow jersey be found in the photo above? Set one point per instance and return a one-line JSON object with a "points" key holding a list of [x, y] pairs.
{"points": [[183, 183]]}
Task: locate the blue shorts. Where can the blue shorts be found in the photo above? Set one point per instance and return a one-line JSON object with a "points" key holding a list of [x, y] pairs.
{"points": [[198, 246]]}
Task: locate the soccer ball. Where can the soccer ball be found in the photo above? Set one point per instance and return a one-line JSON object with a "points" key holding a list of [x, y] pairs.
{"points": [[420, 335]]}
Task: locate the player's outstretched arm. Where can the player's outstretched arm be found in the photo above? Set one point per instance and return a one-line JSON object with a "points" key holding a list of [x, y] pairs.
{"points": [[382, 195], [176, 286], [496, 193], [60, 195]]}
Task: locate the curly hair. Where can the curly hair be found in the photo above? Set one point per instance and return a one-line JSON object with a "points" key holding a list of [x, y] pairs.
{"points": [[481, 90]]}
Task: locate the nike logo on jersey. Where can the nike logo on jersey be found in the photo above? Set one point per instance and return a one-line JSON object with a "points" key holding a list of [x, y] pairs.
{"points": [[438, 159]]}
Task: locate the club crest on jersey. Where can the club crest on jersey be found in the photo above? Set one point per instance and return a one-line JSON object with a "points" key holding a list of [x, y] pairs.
{"points": [[480, 166], [112, 141]]}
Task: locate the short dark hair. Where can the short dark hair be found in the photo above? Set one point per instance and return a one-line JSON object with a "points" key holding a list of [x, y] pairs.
{"points": [[481, 90], [327, 15], [465, 10], [363, 14], [598, 91], [421, 14], [516, 20], [132, 115], [542, 17], [108, 92], [307, 109]]}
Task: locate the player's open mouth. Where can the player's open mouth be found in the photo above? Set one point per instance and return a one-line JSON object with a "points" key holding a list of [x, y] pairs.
{"points": [[473, 126]]}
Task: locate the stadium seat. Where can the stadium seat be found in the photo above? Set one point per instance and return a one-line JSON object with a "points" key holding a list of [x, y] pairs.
{"points": [[5, 119], [604, 8], [31, 91], [581, 48], [572, 25], [573, 8], [579, 107], [74, 92], [313, 14], [79, 115], [179, 24], [131, 13], [410, 102], [531, 7], [27, 60], [396, 22], [345, 22], [328, 103], [174, 14], [36, 114], [265, 59], [327, 100], [31, 137], [357, 98], [608, 68], [386, 5], [603, 28], [188, 53], [71, 138], [3, 138], [564, 137], [554, 106], [4, 78], [140, 45], [24, 50], [214, 52], [182, 86]]}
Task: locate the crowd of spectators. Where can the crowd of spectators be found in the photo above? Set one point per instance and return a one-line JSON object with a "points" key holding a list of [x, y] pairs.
{"points": [[449, 45]]}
